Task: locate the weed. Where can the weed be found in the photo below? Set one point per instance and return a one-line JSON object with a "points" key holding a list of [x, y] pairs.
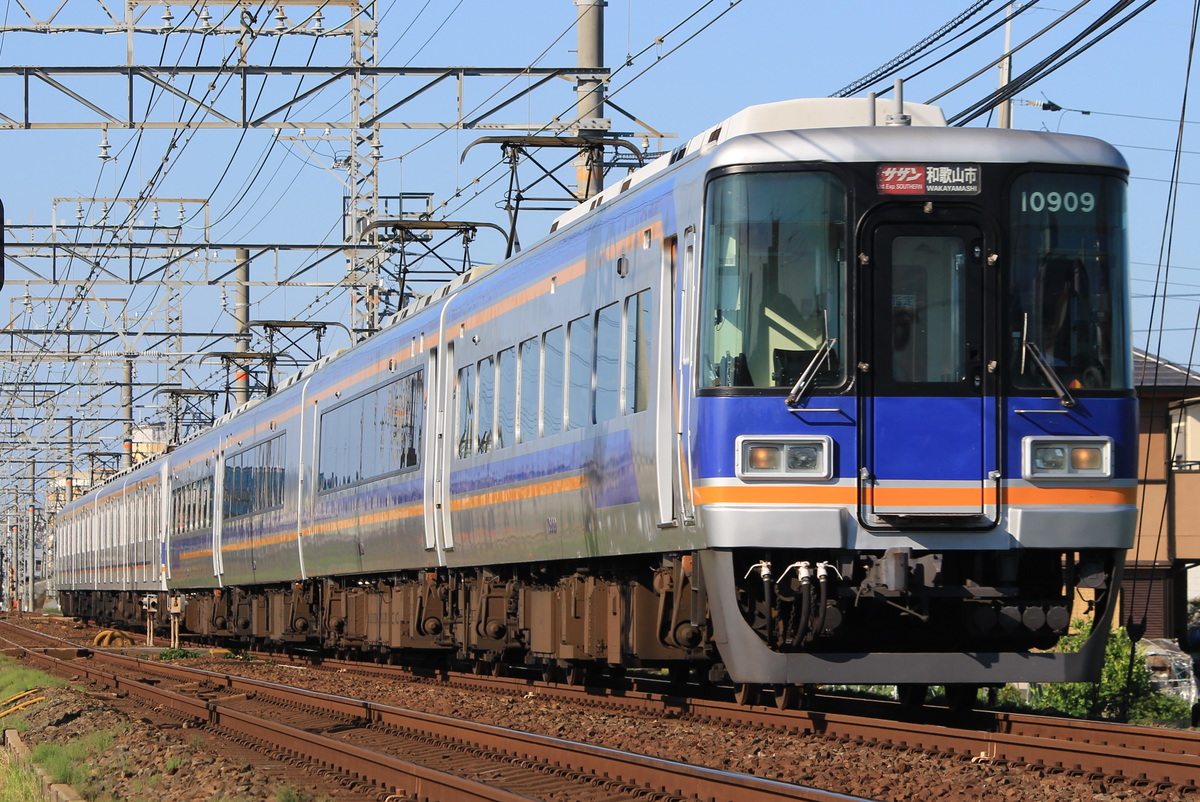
{"points": [[177, 654]]}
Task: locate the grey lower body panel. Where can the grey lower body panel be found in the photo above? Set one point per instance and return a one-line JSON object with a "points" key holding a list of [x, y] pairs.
{"points": [[748, 659]]}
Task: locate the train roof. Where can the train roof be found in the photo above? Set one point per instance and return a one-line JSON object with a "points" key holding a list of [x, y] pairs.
{"points": [[845, 130]]}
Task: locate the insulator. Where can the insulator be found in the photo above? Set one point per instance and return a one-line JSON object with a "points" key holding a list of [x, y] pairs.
{"points": [[168, 18], [205, 18]]}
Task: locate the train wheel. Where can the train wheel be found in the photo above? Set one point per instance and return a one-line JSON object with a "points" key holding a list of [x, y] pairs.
{"points": [[480, 668], [549, 672], [498, 668], [911, 695], [678, 676], [786, 696], [576, 673], [746, 693], [961, 698]]}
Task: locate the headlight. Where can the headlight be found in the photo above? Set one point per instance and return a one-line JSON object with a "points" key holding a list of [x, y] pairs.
{"points": [[1067, 457], [785, 457]]}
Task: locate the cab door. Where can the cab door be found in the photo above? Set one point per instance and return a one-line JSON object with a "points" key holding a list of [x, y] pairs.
{"points": [[929, 455]]}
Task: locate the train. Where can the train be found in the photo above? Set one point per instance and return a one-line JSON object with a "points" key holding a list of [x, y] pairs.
{"points": [[832, 393]]}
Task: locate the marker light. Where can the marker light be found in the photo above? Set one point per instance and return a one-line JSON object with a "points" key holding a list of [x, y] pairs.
{"points": [[1066, 457], [785, 457], [763, 458], [1087, 459]]}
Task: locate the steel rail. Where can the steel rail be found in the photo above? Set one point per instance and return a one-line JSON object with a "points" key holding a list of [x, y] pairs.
{"points": [[662, 776], [408, 778], [1150, 754]]}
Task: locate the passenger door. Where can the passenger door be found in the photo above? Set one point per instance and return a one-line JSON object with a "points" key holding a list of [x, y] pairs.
{"points": [[928, 454]]}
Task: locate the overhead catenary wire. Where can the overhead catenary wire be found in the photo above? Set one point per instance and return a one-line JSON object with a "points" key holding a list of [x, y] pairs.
{"points": [[1059, 57], [885, 71]]}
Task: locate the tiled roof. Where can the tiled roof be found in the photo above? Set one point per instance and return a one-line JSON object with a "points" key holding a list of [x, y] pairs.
{"points": [[1154, 371]]}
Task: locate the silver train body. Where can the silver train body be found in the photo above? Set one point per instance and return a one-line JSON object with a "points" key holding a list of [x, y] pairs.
{"points": [[810, 400]]}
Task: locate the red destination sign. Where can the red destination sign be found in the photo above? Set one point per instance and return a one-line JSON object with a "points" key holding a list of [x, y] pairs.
{"points": [[927, 179]]}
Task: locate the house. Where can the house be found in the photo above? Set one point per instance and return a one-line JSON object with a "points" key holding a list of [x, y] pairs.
{"points": [[1155, 590]]}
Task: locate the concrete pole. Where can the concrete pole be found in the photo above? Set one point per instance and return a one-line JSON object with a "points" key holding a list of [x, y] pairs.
{"points": [[241, 316], [127, 413], [10, 563], [589, 92], [29, 539], [1004, 119], [70, 488]]}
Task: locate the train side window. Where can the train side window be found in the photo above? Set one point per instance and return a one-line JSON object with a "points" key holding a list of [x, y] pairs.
{"points": [[403, 408], [552, 381], [486, 412], [531, 371], [637, 349], [506, 397], [371, 459], [579, 373], [464, 390], [608, 362]]}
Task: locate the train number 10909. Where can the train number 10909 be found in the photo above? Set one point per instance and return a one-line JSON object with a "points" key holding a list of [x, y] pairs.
{"points": [[1058, 202]]}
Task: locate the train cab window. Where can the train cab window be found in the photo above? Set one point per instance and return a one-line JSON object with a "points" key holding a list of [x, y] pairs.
{"points": [[486, 412], [531, 371], [772, 280], [637, 350], [608, 362], [553, 368], [579, 373], [1068, 267], [506, 397]]}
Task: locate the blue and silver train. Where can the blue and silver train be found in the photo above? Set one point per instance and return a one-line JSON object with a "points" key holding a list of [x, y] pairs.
{"points": [[832, 393]]}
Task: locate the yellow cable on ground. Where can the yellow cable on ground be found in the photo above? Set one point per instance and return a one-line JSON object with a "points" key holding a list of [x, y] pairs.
{"points": [[22, 706], [18, 697]]}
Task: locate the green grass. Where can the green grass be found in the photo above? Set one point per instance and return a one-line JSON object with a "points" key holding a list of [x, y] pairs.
{"points": [[17, 678], [67, 763], [18, 784]]}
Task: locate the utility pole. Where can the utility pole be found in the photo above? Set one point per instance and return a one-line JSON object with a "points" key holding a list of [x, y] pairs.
{"points": [[127, 414], [1004, 119], [29, 538], [70, 468], [241, 316], [589, 92]]}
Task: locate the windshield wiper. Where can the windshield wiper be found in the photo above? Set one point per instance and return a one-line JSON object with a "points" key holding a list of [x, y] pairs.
{"points": [[810, 372], [1030, 347]]}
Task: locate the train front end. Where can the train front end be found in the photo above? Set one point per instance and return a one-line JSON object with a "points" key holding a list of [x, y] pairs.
{"points": [[913, 431]]}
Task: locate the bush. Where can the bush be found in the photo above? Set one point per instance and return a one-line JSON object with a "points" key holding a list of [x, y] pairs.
{"points": [[1124, 692]]}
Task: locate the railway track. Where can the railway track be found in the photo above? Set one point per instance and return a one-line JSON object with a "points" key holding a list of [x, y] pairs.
{"points": [[1139, 754], [443, 758]]}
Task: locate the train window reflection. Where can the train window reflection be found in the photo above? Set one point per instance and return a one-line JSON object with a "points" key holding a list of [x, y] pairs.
{"points": [[1066, 283], [531, 369], [373, 435], [506, 397], [487, 405], [579, 397], [772, 282], [637, 360], [464, 390], [552, 382], [608, 362], [928, 305]]}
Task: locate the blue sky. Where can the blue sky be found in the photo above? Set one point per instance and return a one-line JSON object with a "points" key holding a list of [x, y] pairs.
{"points": [[701, 70]]}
